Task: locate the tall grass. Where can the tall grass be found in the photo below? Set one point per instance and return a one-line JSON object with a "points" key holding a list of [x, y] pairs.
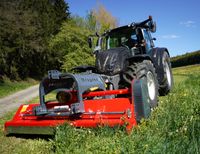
{"points": [[174, 127]]}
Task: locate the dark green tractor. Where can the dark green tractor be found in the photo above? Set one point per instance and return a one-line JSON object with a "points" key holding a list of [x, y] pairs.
{"points": [[127, 53]]}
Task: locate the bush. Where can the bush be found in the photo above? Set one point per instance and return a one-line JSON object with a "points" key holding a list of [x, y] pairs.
{"points": [[71, 46]]}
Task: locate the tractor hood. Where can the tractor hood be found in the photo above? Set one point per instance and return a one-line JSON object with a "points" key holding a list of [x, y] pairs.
{"points": [[112, 61]]}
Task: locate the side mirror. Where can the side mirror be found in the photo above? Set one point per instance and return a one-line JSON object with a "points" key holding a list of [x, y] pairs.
{"points": [[154, 39], [90, 42], [153, 27]]}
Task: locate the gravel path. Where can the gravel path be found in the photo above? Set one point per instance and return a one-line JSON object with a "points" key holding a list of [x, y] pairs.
{"points": [[13, 101]]}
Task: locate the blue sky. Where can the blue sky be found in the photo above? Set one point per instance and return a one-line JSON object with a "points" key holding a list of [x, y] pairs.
{"points": [[178, 21]]}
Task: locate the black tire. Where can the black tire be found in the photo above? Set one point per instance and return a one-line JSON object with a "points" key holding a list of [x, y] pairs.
{"points": [[167, 83], [144, 70]]}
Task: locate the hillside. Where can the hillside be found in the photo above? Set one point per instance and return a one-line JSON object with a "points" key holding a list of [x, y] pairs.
{"points": [[174, 127]]}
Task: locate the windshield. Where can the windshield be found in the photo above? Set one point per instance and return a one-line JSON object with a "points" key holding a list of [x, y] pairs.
{"points": [[123, 37]]}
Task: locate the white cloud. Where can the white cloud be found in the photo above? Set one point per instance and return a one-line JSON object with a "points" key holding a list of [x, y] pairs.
{"points": [[171, 36], [188, 23]]}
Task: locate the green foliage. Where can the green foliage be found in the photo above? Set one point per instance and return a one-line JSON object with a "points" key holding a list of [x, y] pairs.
{"points": [[49, 15], [71, 45], [91, 22], [186, 59], [25, 28], [77, 59], [34, 39]]}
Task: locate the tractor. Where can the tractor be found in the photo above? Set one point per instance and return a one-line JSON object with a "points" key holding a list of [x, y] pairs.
{"points": [[127, 53], [121, 89]]}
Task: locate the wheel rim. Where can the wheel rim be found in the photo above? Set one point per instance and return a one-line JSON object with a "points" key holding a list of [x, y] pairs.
{"points": [[151, 85], [168, 74]]}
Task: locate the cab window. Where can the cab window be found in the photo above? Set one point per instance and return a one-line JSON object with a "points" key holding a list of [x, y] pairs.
{"points": [[147, 40]]}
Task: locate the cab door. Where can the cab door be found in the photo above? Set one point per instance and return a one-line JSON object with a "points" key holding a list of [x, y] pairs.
{"points": [[148, 40]]}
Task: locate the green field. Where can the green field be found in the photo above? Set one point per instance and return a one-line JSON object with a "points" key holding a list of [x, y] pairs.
{"points": [[8, 87], [174, 127]]}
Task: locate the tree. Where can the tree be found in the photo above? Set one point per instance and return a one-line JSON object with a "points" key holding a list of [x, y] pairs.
{"points": [[97, 20], [91, 21], [71, 46], [71, 42], [25, 29], [104, 19]]}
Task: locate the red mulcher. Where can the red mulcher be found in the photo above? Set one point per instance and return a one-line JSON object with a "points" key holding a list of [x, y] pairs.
{"points": [[81, 101]]}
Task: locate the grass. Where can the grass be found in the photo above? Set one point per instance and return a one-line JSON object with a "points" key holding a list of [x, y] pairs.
{"points": [[187, 70], [22, 145], [174, 127], [183, 73], [8, 87]]}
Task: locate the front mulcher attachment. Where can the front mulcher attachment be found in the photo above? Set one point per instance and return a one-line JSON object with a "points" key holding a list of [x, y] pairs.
{"points": [[81, 100]]}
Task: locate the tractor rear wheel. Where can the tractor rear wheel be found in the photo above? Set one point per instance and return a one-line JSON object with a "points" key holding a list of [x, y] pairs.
{"points": [[144, 70], [167, 82]]}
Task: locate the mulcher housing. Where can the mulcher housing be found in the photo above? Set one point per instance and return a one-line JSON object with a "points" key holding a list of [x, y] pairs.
{"points": [[85, 108]]}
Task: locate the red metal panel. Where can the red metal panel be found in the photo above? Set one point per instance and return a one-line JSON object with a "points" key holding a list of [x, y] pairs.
{"points": [[110, 112], [108, 92]]}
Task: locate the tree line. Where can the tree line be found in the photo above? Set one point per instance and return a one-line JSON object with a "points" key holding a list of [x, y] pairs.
{"points": [[186, 59], [36, 36]]}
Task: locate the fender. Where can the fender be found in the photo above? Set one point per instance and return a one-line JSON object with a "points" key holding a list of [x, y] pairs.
{"points": [[137, 58], [156, 55]]}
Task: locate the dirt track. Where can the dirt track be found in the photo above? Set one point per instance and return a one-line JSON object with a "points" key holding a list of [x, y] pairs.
{"points": [[13, 101]]}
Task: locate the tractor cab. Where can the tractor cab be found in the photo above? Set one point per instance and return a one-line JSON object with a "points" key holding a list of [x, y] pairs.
{"points": [[135, 37], [116, 46]]}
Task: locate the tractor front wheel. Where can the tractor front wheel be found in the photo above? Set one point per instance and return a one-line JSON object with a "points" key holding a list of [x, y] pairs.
{"points": [[144, 70]]}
